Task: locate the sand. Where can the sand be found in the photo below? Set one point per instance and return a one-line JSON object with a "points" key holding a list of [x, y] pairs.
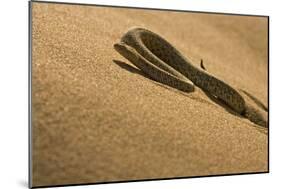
{"points": [[97, 118]]}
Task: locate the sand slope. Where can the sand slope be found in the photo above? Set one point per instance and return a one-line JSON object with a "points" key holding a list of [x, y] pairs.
{"points": [[97, 118]]}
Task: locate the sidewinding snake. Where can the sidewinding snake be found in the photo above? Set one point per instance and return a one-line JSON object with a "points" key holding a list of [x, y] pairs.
{"points": [[164, 63]]}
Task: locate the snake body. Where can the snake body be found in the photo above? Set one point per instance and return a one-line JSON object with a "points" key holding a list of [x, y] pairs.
{"points": [[164, 63]]}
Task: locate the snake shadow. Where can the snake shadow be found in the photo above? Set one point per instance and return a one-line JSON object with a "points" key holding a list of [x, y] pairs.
{"points": [[222, 104], [214, 99], [257, 101], [134, 70], [130, 68]]}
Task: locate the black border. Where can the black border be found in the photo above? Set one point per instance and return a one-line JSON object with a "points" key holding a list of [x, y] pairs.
{"points": [[146, 8], [268, 86], [155, 179], [126, 7], [30, 146]]}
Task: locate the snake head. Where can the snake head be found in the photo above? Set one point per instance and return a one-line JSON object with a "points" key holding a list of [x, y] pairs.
{"points": [[127, 51], [123, 48], [120, 47]]}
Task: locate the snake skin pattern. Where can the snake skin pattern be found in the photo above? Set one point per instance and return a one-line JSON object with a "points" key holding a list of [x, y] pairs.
{"points": [[164, 63]]}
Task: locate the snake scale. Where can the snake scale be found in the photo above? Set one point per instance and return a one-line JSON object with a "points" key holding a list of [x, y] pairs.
{"points": [[164, 63]]}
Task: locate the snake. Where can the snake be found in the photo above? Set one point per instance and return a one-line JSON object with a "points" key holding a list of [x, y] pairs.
{"points": [[162, 62]]}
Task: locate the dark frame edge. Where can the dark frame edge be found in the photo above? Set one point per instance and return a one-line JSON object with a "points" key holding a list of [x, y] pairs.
{"points": [[137, 180], [144, 8], [147, 180], [268, 91], [30, 94]]}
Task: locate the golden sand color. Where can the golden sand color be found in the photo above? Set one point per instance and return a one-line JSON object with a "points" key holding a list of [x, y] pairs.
{"points": [[97, 118], [164, 63]]}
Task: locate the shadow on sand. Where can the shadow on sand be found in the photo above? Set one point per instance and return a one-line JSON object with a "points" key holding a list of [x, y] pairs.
{"points": [[214, 99]]}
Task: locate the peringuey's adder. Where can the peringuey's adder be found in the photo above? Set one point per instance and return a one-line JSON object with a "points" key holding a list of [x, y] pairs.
{"points": [[164, 63]]}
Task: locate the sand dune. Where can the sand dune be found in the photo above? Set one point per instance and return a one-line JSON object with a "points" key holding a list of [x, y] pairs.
{"points": [[97, 118]]}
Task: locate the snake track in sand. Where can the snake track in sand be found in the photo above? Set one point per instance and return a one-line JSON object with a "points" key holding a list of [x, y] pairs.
{"points": [[164, 63]]}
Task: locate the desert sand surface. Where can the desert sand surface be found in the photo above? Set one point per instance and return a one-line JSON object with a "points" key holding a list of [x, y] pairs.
{"points": [[97, 118]]}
